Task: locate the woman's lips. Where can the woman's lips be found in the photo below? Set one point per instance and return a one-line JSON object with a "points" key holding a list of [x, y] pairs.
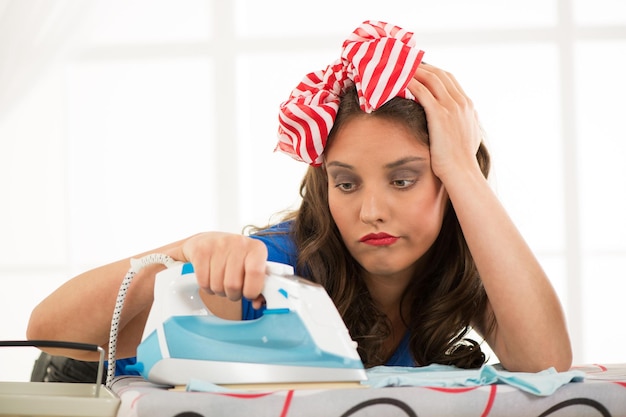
{"points": [[378, 239]]}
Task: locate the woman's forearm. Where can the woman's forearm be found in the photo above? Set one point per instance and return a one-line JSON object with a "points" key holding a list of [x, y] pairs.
{"points": [[81, 309], [531, 332]]}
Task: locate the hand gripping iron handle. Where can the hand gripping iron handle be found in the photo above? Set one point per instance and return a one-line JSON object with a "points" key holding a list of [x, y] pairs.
{"points": [[176, 290]]}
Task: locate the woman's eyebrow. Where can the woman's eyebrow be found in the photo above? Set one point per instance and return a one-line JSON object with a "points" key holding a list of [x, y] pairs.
{"points": [[339, 164], [390, 165], [404, 161]]}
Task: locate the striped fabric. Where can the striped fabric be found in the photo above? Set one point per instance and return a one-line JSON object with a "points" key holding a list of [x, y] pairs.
{"points": [[378, 58]]}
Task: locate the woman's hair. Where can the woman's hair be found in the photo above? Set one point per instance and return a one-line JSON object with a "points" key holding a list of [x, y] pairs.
{"points": [[445, 296]]}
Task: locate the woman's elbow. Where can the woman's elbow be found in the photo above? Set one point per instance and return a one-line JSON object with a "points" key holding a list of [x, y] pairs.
{"points": [[36, 328], [563, 361], [557, 357], [43, 325]]}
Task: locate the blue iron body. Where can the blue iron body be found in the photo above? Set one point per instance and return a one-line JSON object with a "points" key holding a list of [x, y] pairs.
{"points": [[300, 337]]}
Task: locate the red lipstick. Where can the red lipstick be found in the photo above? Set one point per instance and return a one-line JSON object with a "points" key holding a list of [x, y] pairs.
{"points": [[378, 239]]}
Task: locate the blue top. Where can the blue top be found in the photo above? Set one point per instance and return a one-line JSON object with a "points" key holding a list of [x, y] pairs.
{"points": [[281, 248]]}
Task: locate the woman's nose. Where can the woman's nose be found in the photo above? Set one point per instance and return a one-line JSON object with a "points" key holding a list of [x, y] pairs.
{"points": [[373, 207]]}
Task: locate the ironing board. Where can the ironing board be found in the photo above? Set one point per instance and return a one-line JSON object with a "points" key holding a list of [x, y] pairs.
{"points": [[602, 393]]}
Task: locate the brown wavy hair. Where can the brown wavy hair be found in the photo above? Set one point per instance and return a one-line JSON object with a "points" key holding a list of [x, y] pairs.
{"points": [[445, 296]]}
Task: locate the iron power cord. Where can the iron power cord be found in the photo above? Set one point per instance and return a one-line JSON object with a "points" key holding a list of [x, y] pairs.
{"points": [[136, 266]]}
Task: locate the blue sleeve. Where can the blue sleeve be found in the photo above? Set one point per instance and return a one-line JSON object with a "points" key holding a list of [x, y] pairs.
{"points": [[280, 248], [402, 356], [279, 242], [120, 366]]}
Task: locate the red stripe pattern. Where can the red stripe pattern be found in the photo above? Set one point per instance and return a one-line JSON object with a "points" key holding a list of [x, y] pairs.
{"points": [[378, 58]]}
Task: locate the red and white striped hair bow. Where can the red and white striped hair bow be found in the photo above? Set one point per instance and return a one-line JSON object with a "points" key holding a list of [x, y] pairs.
{"points": [[378, 58]]}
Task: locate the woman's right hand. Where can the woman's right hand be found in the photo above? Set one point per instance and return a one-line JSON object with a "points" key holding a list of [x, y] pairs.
{"points": [[228, 265]]}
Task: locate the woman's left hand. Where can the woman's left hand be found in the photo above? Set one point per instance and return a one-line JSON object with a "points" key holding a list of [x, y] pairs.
{"points": [[453, 126]]}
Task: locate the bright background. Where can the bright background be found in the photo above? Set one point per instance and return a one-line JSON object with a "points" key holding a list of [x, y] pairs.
{"points": [[127, 124]]}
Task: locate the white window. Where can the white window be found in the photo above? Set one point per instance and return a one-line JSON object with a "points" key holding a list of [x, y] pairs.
{"points": [[128, 124]]}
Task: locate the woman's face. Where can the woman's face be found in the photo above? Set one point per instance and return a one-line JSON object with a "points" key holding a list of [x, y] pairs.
{"points": [[383, 195]]}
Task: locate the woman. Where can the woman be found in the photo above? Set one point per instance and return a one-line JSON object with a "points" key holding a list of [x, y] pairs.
{"points": [[397, 221]]}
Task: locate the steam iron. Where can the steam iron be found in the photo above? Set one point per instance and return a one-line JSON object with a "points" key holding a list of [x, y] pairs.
{"points": [[300, 338]]}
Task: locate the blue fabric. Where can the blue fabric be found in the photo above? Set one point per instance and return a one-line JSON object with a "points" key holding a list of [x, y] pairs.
{"points": [[121, 364], [280, 246], [402, 356], [541, 383]]}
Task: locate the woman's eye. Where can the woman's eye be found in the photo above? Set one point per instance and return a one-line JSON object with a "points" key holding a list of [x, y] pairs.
{"points": [[403, 183], [345, 186]]}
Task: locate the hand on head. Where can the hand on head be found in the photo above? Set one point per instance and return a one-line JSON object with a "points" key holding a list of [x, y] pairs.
{"points": [[453, 126]]}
